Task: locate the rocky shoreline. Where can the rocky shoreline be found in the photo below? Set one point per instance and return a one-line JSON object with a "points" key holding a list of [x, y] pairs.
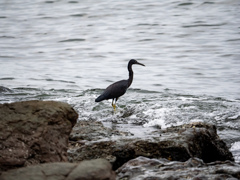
{"points": [[43, 140]]}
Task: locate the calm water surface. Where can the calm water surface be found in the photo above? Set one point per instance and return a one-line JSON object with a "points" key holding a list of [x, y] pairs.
{"points": [[70, 50]]}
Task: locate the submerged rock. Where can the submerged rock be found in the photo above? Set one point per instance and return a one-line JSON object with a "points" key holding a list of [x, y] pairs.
{"points": [[143, 168], [98, 169], [34, 132], [176, 143]]}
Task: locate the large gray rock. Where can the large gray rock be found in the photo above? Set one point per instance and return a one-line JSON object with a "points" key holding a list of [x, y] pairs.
{"points": [[98, 169], [176, 143], [143, 168], [34, 132]]}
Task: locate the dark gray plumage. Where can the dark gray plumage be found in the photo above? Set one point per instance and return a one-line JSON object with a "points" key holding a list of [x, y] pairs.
{"points": [[117, 89]]}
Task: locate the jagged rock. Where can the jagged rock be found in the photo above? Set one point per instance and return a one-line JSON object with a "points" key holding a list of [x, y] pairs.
{"points": [[34, 132], [176, 143], [98, 169], [143, 168]]}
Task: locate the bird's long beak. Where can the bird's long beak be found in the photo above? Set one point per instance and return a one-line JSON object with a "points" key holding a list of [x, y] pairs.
{"points": [[140, 64]]}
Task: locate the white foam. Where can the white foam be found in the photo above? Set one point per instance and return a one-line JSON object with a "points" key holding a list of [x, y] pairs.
{"points": [[154, 122], [234, 116], [158, 115], [235, 146], [196, 120], [235, 149]]}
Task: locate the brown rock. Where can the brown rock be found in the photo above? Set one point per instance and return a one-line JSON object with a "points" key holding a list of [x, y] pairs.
{"points": [[175, 143], [34, 132], [98, 169]]}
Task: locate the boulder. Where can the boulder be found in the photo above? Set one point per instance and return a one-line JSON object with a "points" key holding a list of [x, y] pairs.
{"points": [[98, 169], [175, 143], [143, 168], [34, 132]]}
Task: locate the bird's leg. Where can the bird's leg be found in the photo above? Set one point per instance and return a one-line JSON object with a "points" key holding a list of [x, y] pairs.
{"points": [[113, 105]]}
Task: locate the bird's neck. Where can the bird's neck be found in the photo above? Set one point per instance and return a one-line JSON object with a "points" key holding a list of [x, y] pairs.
{"points": [[130, 79]]}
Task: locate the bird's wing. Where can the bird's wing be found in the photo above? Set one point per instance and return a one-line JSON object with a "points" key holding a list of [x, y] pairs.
{"points": [[115, 90], [119, 88]]}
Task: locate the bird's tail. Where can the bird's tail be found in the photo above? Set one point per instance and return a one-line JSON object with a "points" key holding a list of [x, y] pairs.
{"points": [[100, 98]]}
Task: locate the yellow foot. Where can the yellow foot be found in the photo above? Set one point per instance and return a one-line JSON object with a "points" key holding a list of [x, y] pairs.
{"points": [[114, 107]]}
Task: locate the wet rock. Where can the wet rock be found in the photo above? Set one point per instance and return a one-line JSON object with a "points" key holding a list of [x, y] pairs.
{"points": [[34, 132], [92, 131], [98, 169], [143, 168], [176, 143]]}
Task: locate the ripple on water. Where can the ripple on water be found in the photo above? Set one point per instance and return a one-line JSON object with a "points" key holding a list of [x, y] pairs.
{"points": [[4, 89], [185, 4], [73, 40], [78, 15], [203, 25], [73, 2], [7, 78]]}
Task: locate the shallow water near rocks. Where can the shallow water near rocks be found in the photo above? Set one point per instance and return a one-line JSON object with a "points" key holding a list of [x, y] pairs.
{"points": [[71, 50]]}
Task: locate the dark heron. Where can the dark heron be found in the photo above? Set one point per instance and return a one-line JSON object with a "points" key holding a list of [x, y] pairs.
{"points": [[117, 89]]}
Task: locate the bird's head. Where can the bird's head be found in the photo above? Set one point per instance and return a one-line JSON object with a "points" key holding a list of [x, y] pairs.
{"points": [[133, 61]]}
